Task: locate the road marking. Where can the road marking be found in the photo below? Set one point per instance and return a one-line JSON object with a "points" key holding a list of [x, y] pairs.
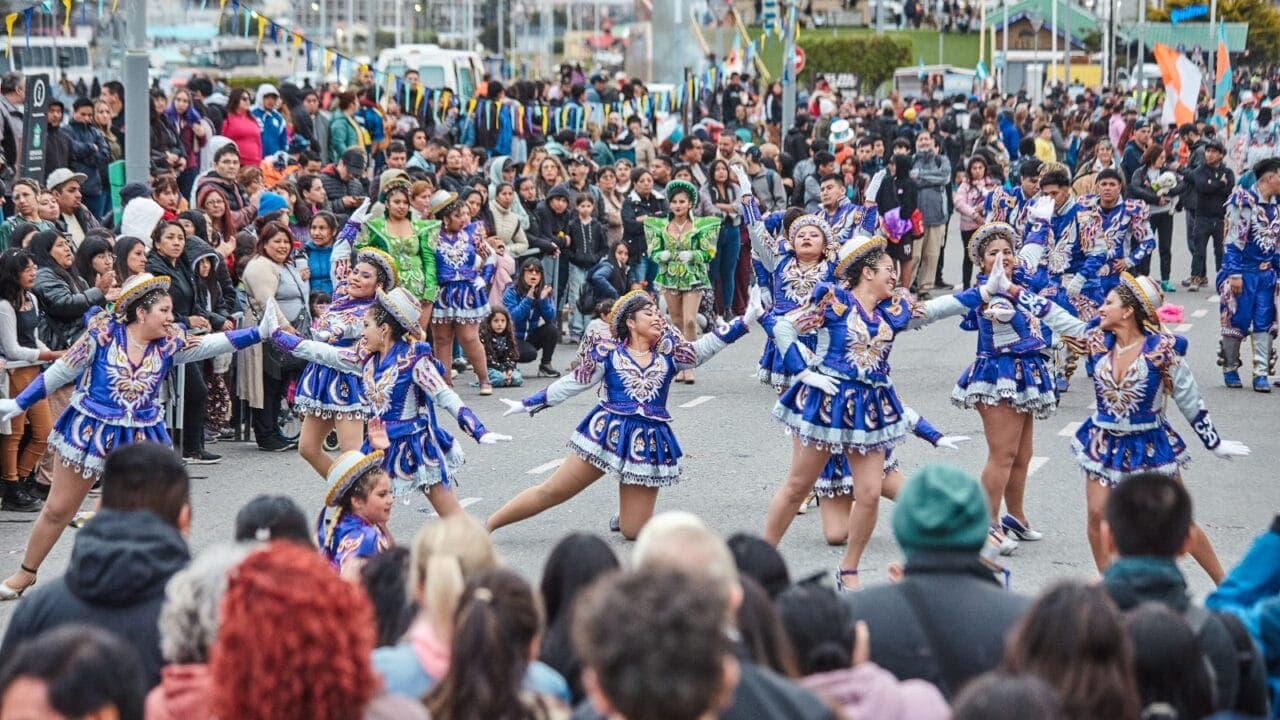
{"points": [[698, 401], [1200, 313], [1068, 431], [1182, 327], [545, 467], [1036, 463], [464, 502], [1212, 299]]}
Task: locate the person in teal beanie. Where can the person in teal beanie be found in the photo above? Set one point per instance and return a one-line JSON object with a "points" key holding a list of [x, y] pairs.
{"points": [[946, 620]]}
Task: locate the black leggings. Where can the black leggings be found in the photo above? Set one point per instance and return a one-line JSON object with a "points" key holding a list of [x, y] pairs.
{"points": [[966, 279], [1162, 226], [544, 339], [194, 393], [266, 422]]}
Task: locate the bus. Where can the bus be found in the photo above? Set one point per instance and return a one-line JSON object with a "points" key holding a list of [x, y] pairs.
{"points": [[50, 55], [459, 70]]}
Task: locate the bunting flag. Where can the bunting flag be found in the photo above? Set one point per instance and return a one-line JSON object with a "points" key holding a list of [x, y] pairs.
{"points": [[1222, 80], [981, 71], [66, 18], [1182, 80], [26, 24], [9, 20], [262, 30], [920, 68]]}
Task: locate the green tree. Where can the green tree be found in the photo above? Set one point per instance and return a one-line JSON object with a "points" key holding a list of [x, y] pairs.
{"points": [[873, 59], [1264, 23]]}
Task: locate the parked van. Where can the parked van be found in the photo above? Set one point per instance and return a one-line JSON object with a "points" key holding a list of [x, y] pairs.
{"points": [[459, 70]]}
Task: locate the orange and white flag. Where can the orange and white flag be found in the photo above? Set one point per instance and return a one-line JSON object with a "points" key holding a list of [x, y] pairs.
{"points": [[1182, 82]]}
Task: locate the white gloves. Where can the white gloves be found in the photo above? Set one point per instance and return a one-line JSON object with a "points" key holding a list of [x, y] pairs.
{"points": [[744, 182], [952, 442], [873, 187], [684, 256], [755, 306], [493, 438], [1041, 208], [362, 213], [513, 407], [999, 310], [1075, 285], [9, 409], [819, 382], [478, 283], [270, 321], [662, 256], [997, 282], [1228, 449]]}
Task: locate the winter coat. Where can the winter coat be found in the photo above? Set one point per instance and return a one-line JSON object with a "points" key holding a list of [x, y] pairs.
{"points": [[244, 131], [275, 133], [586, 243], [115, 580], [335, 188], [1251, 591], [965, 607], [88, 154], [182, 287], [64, 307], [632, 229], [506, 225], [221, 300], [528, 314], [344, 134], [932, 173]]}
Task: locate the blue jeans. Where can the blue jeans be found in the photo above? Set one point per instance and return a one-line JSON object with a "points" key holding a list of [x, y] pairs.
{"points": [[97, 205], [724, 265], [577, 280]]}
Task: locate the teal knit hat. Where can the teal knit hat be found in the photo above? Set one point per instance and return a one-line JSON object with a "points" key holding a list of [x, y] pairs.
{"points": [[941, 508]]}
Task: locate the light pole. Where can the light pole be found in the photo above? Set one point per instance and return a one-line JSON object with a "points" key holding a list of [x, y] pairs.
{"points": [[788, 67], [136, 101]]}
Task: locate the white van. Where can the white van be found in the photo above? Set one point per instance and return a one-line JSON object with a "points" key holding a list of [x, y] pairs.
{"points": [[459, 70]]}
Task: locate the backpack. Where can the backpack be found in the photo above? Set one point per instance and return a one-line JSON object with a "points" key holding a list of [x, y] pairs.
{"points": [[1247, 656]]}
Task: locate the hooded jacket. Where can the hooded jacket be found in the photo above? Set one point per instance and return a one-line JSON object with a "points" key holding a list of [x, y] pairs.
{"points": [[182, 286], [275, 135], [119, 566], [217, 300]]}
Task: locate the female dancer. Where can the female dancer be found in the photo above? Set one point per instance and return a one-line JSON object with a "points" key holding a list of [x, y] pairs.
{"points": [[1008, 383], [117, 366], [408, 241], [402, 386], [328, 399], [463, 275], [627, 432], [682, 246], [843, 401], [1137, 367]]}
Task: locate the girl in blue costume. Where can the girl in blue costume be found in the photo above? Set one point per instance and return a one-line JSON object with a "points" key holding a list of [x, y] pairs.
{"points": [[1138, 367], [628, 432], [402, 386], [463, 274], [353, 526], [117, 366], [1010, 385], [843, 402], [327, 398]]}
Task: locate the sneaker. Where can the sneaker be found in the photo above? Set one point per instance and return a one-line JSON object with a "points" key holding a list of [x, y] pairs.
{"points": [[1018, 530], [548, 371], [615, 524], [1186, 282], [1262, 385], [1004, 544], [36, 489], [275, 444], [1167, 286], [460, 365], [1231, 379], [210, 436], [1194, 285], [943, 286], [840, 583], [227, 433], [15, 498], [201, 457]]}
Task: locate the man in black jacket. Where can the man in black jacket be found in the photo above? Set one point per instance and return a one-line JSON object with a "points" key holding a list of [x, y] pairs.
{"points": [[1210, 184], [122, 558], [1147, 528], [57, 149], [946, 621], [344, 183]]}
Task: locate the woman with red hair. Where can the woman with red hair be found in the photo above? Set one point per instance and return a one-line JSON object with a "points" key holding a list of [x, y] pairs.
{"points": [[294, 642]]}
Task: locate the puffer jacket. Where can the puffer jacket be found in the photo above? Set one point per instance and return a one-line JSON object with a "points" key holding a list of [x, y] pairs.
{"points": [[89, 155], [64, 307]]}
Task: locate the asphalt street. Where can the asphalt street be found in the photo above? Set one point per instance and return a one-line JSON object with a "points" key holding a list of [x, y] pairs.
{"points": [[736, 455]]}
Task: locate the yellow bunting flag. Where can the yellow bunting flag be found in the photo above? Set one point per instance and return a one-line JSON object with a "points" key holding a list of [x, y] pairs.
{"points": [[262, 29], [328, 59], [66, 18], [9, 20]]}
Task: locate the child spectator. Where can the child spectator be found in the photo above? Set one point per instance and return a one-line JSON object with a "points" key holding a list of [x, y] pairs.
{"points": [[502, 353], [586, 247], [318, 302]]}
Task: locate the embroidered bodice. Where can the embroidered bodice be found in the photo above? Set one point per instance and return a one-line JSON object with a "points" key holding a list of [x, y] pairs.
{"points": [[457, 259], [849, 218], [1125, 224], [1006, 206], [109, 386], [1252, 232], [342, 323], [353, 537], [627, 385], [1022, 334]]}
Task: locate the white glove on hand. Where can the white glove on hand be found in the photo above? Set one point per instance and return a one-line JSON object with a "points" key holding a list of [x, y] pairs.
{"points": [[952, 442], [1228, 449], [755, 306], [478, 283], [493, 438], [744, 182], [662, 256], [999, 310], [362, 213], [1075, 286], [513, 407], [9, 408], [684, 256], [270, 321], [819, 382], [873, 187], [997, 282], [1041, 208]]}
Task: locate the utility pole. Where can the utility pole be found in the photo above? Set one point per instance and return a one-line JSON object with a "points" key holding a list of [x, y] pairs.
{"points": [[940, 33], [788, 67], [1142, 43], [1213, 51], [137, 103], [1053, 28], [1004, 50], [502, 24]]}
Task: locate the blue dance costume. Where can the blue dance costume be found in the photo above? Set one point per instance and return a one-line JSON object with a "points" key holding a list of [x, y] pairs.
{"points": [[326, 392], [1128, 431], [351, 537], [854, 346], [1007, 206], [848, 219], [402, 388], [115, 402], [629, 433], [836, 479], [1123, 225], [1010, 365], [463, 277], [1250, 254]]}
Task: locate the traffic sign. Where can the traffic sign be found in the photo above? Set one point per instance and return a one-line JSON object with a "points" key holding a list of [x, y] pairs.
{"points": [[799, 59]]}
